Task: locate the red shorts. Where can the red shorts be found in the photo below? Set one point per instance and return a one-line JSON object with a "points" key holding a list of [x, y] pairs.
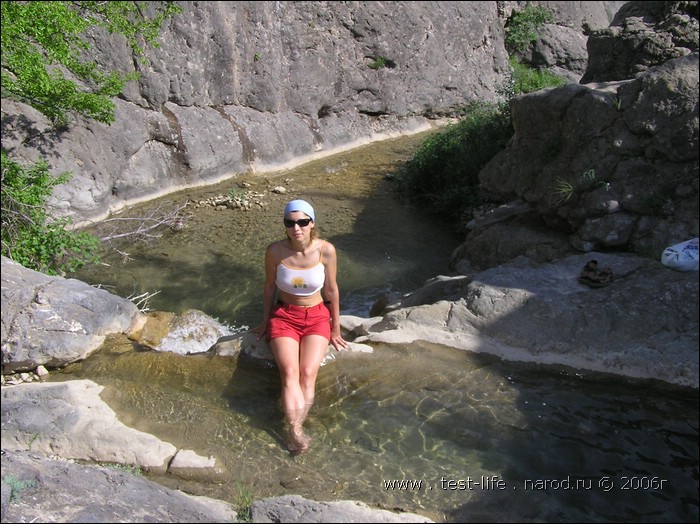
{"points": [[296, 322]]}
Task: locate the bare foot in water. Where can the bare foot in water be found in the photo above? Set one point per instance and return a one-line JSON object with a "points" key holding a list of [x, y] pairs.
{"points": [[298, 442]]}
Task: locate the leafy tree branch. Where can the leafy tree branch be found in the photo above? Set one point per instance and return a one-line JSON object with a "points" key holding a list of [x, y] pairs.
{"points": [[45, 64], [44, 45]]}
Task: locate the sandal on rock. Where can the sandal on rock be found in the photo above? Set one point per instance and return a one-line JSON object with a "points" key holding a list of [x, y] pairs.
{"points": [[589, 272], [593, 277], [603, 278]]}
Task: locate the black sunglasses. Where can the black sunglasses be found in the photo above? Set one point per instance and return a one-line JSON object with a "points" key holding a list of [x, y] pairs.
{"points": [[302, 222]]}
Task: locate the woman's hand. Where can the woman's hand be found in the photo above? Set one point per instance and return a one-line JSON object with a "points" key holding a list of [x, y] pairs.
{"points": [[260, 330], [337, 341]]}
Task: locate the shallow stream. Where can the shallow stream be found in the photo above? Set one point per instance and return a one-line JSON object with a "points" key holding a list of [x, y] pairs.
{"points": [[452, 435]]}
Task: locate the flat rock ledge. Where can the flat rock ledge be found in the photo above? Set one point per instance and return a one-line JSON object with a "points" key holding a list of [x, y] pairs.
{"points": [[54, 433], [37, 488]]}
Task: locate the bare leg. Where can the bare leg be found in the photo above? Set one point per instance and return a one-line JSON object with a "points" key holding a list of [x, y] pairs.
{"points": [[298, 370], [286, 352], [313, 349]]}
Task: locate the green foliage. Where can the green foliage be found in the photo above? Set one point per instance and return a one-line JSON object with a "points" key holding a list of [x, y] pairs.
{"points": [[44, 64], [44, 45], [617, 102], [132, 469], [522, 27], [234, 193], [563, 190], [443, 173], [244, 503], [17, 486], [35, 436], [380, 62], [29, 237], [528, 80], [377, 63]]}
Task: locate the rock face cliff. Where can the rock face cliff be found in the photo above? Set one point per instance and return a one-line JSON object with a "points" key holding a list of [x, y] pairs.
{"points": [[611, 162], [253, 86]]}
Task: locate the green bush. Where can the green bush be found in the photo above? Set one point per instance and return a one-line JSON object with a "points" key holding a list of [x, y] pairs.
{"points": [[379, 62], [522, 27], [29, 237], [443, 173], [528, 80], [244, 503], [17, 486], [44, 65]]}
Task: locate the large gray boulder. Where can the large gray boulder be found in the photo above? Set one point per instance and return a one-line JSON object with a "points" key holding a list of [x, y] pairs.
{"points": [[607, 164], [293, 508], [641, 35], [612, 165], [53, 321], [39, 488], [644, 324], [70, 420]]}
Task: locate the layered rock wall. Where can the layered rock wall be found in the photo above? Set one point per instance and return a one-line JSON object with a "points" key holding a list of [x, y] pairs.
{"points": [[255, 86]]}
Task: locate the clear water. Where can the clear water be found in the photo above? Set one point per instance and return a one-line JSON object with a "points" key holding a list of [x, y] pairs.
{"points": [[385, 245], [472, 438]]}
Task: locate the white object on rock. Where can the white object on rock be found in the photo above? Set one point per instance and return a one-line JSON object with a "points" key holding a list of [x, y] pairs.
{"points": [[682, 256]]}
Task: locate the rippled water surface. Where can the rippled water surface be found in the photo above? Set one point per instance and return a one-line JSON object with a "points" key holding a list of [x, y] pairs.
{"points": [[470, 437], [452, 435]]}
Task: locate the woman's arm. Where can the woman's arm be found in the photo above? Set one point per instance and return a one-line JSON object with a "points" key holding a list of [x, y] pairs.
{"points": [[269, 289], [332, 294]]}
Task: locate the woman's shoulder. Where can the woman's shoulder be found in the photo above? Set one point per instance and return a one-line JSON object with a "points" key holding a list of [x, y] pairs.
{"points": [[275, 247], [276, 244], [326, 247]]}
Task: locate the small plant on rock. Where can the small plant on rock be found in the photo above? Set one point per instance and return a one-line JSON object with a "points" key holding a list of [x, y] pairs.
{"points": [[380, 62], [17, 486], [563, 191], [244, 503], [126, 468]]}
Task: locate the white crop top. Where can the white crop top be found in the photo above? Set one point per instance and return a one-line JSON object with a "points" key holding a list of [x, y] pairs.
{"points": [[301, 282]]}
